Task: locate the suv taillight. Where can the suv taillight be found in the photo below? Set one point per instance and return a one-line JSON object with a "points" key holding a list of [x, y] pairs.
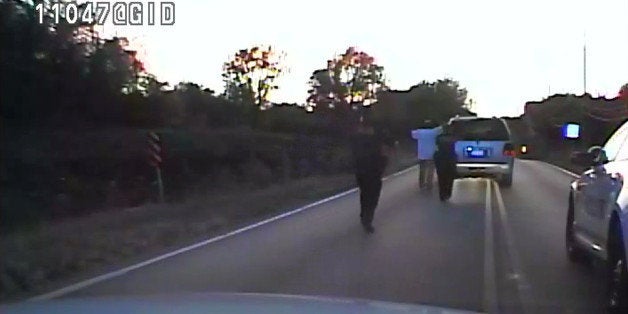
{"points": [[509, 150]]}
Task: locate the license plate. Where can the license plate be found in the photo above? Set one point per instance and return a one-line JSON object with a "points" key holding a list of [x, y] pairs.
{"points": [[477, 153]]}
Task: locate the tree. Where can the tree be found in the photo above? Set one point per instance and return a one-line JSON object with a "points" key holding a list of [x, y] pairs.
{"points": [[350, 82], [449, 96], [321, 94], [111, 71], [60, 73], [196, 101], [405, 110], [173, 109], [140, 78], [250, 75], [28, 49], [623, 94]]}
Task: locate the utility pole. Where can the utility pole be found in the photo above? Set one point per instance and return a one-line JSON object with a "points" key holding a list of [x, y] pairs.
{"points": [[585, 63]]}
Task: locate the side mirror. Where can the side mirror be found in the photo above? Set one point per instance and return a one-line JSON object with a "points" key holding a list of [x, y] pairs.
{"points": [[583, 159]]}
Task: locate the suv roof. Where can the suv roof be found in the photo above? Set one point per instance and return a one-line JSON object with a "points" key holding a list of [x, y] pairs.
{"points": [[475, 128]]}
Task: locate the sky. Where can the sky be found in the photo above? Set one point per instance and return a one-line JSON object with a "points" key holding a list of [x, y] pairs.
{"points": [[504, 52]]}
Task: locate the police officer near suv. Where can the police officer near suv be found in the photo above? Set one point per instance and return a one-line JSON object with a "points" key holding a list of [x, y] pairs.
{"points": [[445, 161]]}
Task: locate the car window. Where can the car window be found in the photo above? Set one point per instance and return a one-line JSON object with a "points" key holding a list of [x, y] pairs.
{"points": [[614, 147], [480, 129]]}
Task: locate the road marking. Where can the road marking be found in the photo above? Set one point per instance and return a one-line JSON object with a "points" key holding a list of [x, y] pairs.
{"points": [[398, 173], [565, 171], [523, 287], [490, 287], [89, 282]]}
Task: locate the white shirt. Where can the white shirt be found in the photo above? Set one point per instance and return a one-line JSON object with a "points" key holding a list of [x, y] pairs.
{"points": [[426, 142]]}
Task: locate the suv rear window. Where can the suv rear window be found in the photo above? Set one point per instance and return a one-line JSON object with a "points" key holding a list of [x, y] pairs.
{"points": [[480, 129]]}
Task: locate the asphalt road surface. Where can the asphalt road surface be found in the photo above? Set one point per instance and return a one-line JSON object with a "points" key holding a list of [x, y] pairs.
{"points": [[453, 254]]}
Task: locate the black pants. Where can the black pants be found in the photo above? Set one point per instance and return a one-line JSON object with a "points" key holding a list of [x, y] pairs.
{"points": [[446, 172], [370, 185]]}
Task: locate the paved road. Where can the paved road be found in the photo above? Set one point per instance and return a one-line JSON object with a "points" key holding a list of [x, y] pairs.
{"points": [[424, 251]]}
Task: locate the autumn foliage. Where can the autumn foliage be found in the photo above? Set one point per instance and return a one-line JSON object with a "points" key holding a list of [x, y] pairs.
{"points": [[349, 80], [623, 94], [251, 73]]}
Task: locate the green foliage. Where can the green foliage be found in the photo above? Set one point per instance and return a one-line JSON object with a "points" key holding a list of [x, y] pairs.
{"points": [[61, 74], [261, 175], [402, 111]]}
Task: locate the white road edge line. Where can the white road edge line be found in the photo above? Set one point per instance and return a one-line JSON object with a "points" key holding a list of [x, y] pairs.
{"points": [[523, 287], [565, 171], [489, 302], [89, 282]]}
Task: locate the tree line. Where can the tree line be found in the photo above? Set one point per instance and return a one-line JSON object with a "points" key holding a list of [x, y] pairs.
{"points": [[598, 117], [64, 75], [75, 107]]}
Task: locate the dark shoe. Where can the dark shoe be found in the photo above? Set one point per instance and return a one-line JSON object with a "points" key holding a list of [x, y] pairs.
{"points": [[368, 228]]}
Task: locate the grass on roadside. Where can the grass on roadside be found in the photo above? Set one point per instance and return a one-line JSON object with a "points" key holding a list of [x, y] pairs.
{"points": [[562, 159], [37, 260]]}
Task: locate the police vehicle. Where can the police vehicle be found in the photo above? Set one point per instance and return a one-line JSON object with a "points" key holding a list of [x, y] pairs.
{"points": [[597, 215]]}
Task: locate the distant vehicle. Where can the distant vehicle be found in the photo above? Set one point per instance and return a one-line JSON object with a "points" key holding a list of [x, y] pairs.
{"points": [[225, 303], [597, 213], [484, 148], [523, 149]]}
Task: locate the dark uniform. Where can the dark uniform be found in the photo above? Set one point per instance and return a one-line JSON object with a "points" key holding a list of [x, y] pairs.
{"points": [[445, 161], [369, 165]]}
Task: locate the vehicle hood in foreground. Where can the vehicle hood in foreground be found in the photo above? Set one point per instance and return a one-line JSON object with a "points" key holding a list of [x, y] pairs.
{"points": [[219, 303]]}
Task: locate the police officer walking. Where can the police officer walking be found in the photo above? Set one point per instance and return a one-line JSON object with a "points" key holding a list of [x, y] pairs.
{"points": [[445, 160], [370, 149]]}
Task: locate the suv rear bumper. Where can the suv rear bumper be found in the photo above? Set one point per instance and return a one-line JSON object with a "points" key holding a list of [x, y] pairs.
{"points": [[474, 170]]}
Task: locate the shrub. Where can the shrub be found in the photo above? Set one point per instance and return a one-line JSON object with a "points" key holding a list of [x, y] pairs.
{"points": [[257, 173]]}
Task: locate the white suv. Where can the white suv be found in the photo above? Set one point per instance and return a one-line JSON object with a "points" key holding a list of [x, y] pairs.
{"points": [[597, 215], [484, 148]]}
